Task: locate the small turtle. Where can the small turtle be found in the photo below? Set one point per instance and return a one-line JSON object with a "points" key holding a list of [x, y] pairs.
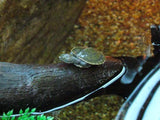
{"points": [[83, 57]]}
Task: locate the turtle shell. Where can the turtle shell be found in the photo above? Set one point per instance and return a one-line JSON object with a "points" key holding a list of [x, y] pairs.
{"points": [[76, 50], [89, 55]]}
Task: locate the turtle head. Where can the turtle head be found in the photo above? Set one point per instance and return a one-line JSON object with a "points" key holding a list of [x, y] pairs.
{"points": [[67, 58]]}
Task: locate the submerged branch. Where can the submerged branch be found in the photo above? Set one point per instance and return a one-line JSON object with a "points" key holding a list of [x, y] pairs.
{"points": [[46, 87]]}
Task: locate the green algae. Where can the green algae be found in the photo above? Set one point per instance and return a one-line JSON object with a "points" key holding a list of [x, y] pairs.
{"points": [[99, 108]]}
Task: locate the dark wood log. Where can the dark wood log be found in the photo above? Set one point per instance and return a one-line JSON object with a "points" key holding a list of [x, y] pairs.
{"points": [[33, 31], [46, 87], [155, 38]]}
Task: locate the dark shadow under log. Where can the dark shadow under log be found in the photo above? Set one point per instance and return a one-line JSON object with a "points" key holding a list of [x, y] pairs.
{"points": [[46, 87]]}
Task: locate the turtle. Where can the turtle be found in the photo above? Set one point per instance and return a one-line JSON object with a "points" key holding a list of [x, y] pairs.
{"points": [[83, 57]]}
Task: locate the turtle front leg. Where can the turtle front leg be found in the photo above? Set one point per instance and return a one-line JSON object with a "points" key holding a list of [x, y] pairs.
{"points": [[81, 64]]}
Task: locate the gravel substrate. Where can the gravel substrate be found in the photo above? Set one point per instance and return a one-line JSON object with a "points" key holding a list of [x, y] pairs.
{"points": [[118, 28]]}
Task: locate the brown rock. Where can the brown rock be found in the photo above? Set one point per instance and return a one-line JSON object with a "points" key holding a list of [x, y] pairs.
{"points": [[33, 31]]}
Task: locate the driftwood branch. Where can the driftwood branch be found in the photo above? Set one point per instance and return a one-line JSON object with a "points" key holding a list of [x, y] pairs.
{"points": [[46, 87], [33, 31]]}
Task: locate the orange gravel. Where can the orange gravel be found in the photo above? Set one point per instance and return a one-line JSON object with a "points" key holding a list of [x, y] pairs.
{"points": [[117, 27]]}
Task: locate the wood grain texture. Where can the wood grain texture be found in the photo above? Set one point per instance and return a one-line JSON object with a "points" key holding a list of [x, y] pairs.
{"points": [[46, 87]]}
